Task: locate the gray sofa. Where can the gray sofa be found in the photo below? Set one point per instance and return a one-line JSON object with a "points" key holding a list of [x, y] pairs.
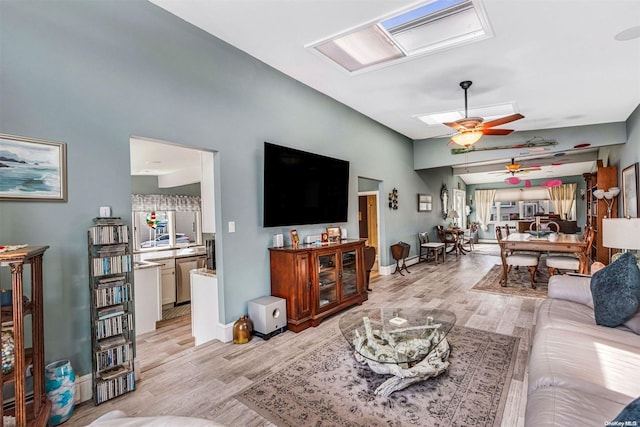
{"points": [[580, 373]]}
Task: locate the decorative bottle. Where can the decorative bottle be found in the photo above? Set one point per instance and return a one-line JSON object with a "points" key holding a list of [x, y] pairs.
{"points": [[242, 329]]}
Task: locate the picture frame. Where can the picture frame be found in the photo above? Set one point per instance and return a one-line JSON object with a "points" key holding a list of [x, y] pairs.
{"points": [[425, 203], [33, 169], [325, 238], [333, 234], [630, 205]]}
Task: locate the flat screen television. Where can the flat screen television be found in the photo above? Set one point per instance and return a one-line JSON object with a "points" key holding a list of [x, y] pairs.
{"points": [[303, 188]]}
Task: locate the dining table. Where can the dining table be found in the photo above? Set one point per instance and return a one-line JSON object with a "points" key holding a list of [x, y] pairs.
{"points": [[554, 242]]}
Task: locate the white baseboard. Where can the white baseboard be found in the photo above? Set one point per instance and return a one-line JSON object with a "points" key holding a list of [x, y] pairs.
{"points": [[84, 388]]}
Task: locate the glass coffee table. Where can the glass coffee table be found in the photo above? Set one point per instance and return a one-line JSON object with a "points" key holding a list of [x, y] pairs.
{"points": [[408, 343]]}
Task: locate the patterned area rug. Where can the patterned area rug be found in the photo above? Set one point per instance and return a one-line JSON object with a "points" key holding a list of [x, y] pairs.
{"points": [[518, 283], [328, 387]]}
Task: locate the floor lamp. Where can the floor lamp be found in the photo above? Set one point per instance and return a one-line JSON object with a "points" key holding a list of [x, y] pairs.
{"points": [[621, 233]]}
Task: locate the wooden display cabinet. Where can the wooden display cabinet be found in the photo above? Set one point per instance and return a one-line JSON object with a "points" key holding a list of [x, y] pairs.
{"points": [[318, 281], [602, 179], [30, 408]]}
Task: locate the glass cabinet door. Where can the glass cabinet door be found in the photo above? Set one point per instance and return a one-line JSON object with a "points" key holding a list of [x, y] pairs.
{"points": [[349, 273], [327, 279]]}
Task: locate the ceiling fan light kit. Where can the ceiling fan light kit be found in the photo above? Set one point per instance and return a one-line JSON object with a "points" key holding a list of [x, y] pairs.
{"points": [[467, 138], [471, 129]]}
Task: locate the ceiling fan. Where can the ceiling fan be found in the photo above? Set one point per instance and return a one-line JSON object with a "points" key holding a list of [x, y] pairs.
{"points": [[515, 168], [471, 129]]}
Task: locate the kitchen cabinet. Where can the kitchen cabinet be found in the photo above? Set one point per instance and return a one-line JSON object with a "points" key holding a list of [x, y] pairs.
{"points": [[148, 302], [318, 281], [168, 280]]}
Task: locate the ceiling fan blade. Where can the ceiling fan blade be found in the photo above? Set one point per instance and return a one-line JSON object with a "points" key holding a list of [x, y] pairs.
{"points": [[503, 120], [496, 131], [455, 125]]}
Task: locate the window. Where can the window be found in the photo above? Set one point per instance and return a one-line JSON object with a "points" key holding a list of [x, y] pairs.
{"points": [[166, 230], [166, 221]]}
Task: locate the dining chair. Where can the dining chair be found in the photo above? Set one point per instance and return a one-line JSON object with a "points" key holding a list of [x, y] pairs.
{"points": [[565, 261], [449, 239], [519, 260], [467, 240], [428, 247], [551, 225]]}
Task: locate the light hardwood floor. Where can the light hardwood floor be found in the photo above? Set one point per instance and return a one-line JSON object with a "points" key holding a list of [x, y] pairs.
{"points": [[179, 379]]}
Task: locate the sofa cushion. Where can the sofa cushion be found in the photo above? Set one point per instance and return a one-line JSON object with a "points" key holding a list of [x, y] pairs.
{"points": [[578, 318], [629, 414], [571, 288], [586, 363], [558, 406], [634, 323], [616, 291]]}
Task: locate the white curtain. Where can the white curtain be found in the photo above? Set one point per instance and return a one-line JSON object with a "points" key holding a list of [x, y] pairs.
{"points": [[562, 199], [164, 202], [484, 200]]}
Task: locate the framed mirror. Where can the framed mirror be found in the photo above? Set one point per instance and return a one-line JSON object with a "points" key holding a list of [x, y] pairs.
{"points": [[444, 199]]}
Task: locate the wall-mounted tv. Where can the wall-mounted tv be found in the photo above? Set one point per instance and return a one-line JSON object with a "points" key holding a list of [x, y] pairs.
{"points": [[303, 188]]}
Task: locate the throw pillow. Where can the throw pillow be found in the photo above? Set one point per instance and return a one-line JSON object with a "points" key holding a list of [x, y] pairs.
{"points": [[629, 414], [616, 291]]}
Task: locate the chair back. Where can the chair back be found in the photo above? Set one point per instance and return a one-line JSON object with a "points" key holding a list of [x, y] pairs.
{"points": [[506, 230], [423, 237], [589, 234], [498, 234]]}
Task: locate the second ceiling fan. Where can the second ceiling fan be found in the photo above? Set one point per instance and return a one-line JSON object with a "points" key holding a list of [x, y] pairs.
{"points": [[471, 129]]}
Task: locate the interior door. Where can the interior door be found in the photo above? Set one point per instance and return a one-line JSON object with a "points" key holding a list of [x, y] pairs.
{"points": [[459, 204]]}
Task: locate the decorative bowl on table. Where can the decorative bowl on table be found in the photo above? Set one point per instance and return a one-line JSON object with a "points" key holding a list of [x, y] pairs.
{"points": [[541, 233]]}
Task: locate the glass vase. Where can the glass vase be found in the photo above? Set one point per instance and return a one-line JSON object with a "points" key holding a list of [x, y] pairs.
{"points": [[60, 385]]}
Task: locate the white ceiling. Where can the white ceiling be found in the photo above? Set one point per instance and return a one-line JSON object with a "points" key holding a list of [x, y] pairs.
{"points": [[557, 60]]}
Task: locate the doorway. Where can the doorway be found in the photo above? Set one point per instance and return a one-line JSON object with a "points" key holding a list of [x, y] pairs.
{"points": [[368, 221], [459, 205]]}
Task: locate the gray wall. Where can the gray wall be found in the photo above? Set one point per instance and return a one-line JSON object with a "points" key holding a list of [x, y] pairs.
{"points": [[93, 74]]}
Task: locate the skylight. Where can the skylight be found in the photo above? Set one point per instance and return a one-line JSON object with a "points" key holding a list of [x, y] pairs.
{"points": [[437, 25]]}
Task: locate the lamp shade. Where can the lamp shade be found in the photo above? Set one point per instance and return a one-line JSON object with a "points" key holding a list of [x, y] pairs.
{"points": [[621, 233], [453, 214], [467, 138]]}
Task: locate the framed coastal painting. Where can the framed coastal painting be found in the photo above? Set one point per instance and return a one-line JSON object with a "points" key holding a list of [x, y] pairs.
{"points": [[630, 191], [32, 169]]}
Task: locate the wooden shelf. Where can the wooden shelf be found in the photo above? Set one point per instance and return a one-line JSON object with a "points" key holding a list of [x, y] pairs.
{"points": [[29, 409]]}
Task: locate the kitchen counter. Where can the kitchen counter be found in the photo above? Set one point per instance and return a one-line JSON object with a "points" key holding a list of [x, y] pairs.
{"points": [[139, 265], [170, 253], [205, 272]]}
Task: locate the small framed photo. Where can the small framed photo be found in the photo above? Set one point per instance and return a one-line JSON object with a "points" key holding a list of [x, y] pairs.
{"points": [[333, 234], [325, 237], [33, 169], [425, 203], [630, 191], [295, 239]]}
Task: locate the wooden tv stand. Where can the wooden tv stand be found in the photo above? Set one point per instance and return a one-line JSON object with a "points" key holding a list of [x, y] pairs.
{"points": [[318, 281]]}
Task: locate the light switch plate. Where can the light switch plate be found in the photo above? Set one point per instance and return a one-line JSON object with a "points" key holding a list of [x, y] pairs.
{"points": [[232, 227]]}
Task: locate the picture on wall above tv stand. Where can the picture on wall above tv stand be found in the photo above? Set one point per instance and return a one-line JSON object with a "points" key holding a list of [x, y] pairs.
{"points": [[302, 188]]}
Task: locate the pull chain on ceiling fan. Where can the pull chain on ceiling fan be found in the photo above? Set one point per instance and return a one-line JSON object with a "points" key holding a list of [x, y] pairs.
{"points": [[471, 129]]}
